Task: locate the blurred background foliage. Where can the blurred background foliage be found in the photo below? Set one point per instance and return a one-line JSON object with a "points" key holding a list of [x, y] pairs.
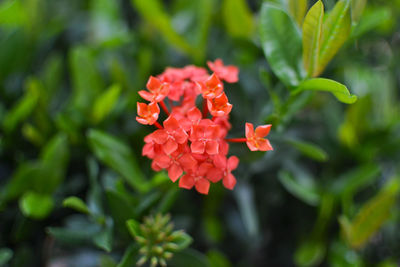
{"points": [[74, 189]]}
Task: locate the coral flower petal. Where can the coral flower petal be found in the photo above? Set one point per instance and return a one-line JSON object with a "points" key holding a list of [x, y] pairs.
{"points": [[198, 147], [174, 172], [202, 186], [186, 181], [229, 181], [263, 130], [170, 146]]}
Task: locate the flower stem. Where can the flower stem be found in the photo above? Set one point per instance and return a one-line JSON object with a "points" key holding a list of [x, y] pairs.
{"points": [[158, 125], [164, 107], [205, 108], [236, 140]]}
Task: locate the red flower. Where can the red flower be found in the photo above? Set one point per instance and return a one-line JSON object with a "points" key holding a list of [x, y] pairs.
{"points": [[197, 179], [191, 147], [204, 138], [170, 136], [211, 87], [158, 90], [226, 73], [219, 106], [148, 114], [255, 140]]}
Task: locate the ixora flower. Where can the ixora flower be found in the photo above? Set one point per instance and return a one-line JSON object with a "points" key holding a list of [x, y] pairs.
{"points": [[191, 144]]}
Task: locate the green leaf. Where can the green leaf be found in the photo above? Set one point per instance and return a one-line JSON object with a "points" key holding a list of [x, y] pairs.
{"points": [[373, 18], [5, 255], [105, 102], [335, 31], [182, 239], [154, 14], [128, 259], [189, 257], [217, 259], [21, 180], [86, 79], [121, 208], [339, 90], [107, 261], [35, 205], [310, 253], [304, 190], [133, 227], [297, 9], [76, 204], [355, 180], [310, 150], [357, 8], [238, 18], [104, 239], [371, 216], [312, 32], [54, 161], [119, 157], [281, 42], [24, 107]]}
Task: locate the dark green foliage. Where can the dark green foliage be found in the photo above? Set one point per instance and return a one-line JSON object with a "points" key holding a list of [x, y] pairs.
{"points": [[74, 188]]}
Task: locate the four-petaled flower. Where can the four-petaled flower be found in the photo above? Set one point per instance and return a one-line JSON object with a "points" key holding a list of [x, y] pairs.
{"points": [[148, 114], [211, 88], [205, 137], [255, 140], [219, 106], [227, 73], [170, 136], [158, 90]]}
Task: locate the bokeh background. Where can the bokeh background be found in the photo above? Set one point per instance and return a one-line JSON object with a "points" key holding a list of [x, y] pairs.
{"points": [[69, 75]]}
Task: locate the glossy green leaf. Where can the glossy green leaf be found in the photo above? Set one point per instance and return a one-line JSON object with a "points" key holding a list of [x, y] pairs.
{"points": [[5, 255], [105, 102], [357, 8], [310, 254], [35, 205], [339, 90], [371, 216], [76, 204], [335, 31], [303, 190], [310, 150], [117, 156], [238, 18], [312, 32], [24, 107], [133, 227], [281, 42], [297, 9], [154, 13]]}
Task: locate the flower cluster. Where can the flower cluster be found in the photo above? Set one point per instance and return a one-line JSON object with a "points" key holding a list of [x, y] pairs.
{"points": [[191, 144]]}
